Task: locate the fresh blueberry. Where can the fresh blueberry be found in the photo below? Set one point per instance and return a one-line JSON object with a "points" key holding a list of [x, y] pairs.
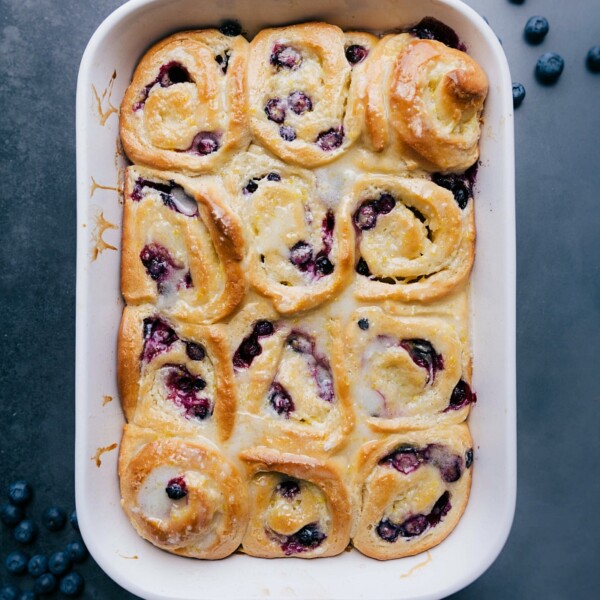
{"points": [[28, 595], [73, 516], [287, 133], [518, 92], [275, 110], [45, 584], [25, 532], [549, 67], [363, 324], [323, 266], [286, 57], [9, 592], [536, 29], [230, 28], [331, 139], [37, 565], [299, 102], [593, 59], [77, 551], [356, 54], [54, 518], [16, 562], [176, 488], [71, 585], [11, 515], [194, 351], [19, 493], [59, 563]]}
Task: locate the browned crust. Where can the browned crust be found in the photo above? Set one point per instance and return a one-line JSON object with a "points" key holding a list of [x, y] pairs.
{"points": [[129, 346], [320, 473]]}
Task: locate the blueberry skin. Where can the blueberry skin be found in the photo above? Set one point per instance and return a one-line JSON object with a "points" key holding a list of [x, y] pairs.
{"points": [[73, 520], [549, 67], [518, 92], [54, 518], [59, 563], [9, 592], [45, 584], [536, 29], [37, 565], [16, 562], [28, 595], [71, 585], [19, 493], [592, 59], [77, 551], [230, 28], [11, 515], [25, 532]]}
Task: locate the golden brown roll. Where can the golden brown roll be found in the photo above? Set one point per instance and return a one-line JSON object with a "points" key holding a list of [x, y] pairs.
{"points": [[185, 107], [413, 489], [413, 241], [301, 102], [425, 97], [299, 506], [181, 495], [175, 377], [182, 246]]}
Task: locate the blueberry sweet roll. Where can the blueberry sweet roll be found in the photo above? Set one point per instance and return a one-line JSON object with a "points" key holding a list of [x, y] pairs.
{"points": [[404, 372], [426, 98], [185, 107], [182, 246], [299, 506], [301, 102], [413, 241], [173, 376], [413, 489], [182, 496]]}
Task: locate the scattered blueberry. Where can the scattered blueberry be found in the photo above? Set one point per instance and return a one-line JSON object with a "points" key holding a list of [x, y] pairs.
{"points": [[518, 92], [307, 538], [72, 585], [28, 595], [469, 458], [323, 266], [54, 518], [536, 29], [285, 56], [16, 562], [59, 563], [25, 532], [549, 67], [230, 28], [37, 565], [273, 176], [11, 515], [593, 59], [301, 255], [362, 268], [9, 592], [77, 551], [424, 355], [287, 133], [280, 400], [356, 54], [19, 493], [275, 110], [173, 73], [461, 396], [184, 391], [194, 351], [432, 29], [363, 324], [45, 584], [176, 488], [73, 516], [205, 142], [299, 102], [330, 139], [288, 488]]}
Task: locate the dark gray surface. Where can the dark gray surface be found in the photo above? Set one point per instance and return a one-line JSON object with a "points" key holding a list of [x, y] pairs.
{"points": [[554, 547]]}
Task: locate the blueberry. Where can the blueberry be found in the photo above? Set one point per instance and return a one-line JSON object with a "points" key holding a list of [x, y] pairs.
{"points": [[28, 595], [288, 488], [45, 584], [362, 268], [536, 30], [37, 565], [73, 516], [549, 67], [230, 28], [59, 563], [424, 355], [301, 255], [323, 265], [593, 59], [356, 54], [469, 458], [205, 142], [77, 551], [251, 187], [280, 400], [363, 324], [518, 92], [72, 585], [414, 526], [273, 176], [16, 562], [9, 592], [287, 133], [176, 488], [263, 328], [310, 536], [25, 532], [19, 493], [194, 351], [54, 518], [299, 102], [11, 515], [387, 531], [275, 110], [330, 139], [286, 57], [173, 73], [365, 217]]}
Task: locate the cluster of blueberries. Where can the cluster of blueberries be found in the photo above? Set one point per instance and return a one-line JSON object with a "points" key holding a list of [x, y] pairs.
{"points": [[550, 65], [48, 572]]}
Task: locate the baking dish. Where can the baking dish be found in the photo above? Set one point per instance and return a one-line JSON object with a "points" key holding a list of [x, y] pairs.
{"points": [[105, 72]]}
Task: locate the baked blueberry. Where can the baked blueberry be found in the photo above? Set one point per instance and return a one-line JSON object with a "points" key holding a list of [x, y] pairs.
{"points": [[323, 266], [272, 176], [223, 61], [469, 458], [365, 217], [280, 400], [299, 102], [158, 337], [330, 139], [310, 536], [356, 54], [45, 584], [301, 255], [250, 187], [16, 562], [19, 493], [176, 488], [288, 488], [461, 186], [275, 110], [73, 516], [404, 460], [71, 585], [230, 28], [194, 351], [184, 390], [518, 92], [536, 29], [9, 592], [25, 532], [440, 509], [362, 268], [11, 515], [173, 73], [263, 328], [385, 204], [432, 29], [37, 565], [461, 396], [286, 57], [593, 59], [54, 518], [205, 142], [287, 133], [363, 324], [77, 551], [300, 343], [424, 355], [414, 526], [158, 262], [387, 531], [549, 67], [59, 563]]}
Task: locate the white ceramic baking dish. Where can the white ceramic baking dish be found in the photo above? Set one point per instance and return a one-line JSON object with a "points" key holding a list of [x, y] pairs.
{"points": [[106, 69]]}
